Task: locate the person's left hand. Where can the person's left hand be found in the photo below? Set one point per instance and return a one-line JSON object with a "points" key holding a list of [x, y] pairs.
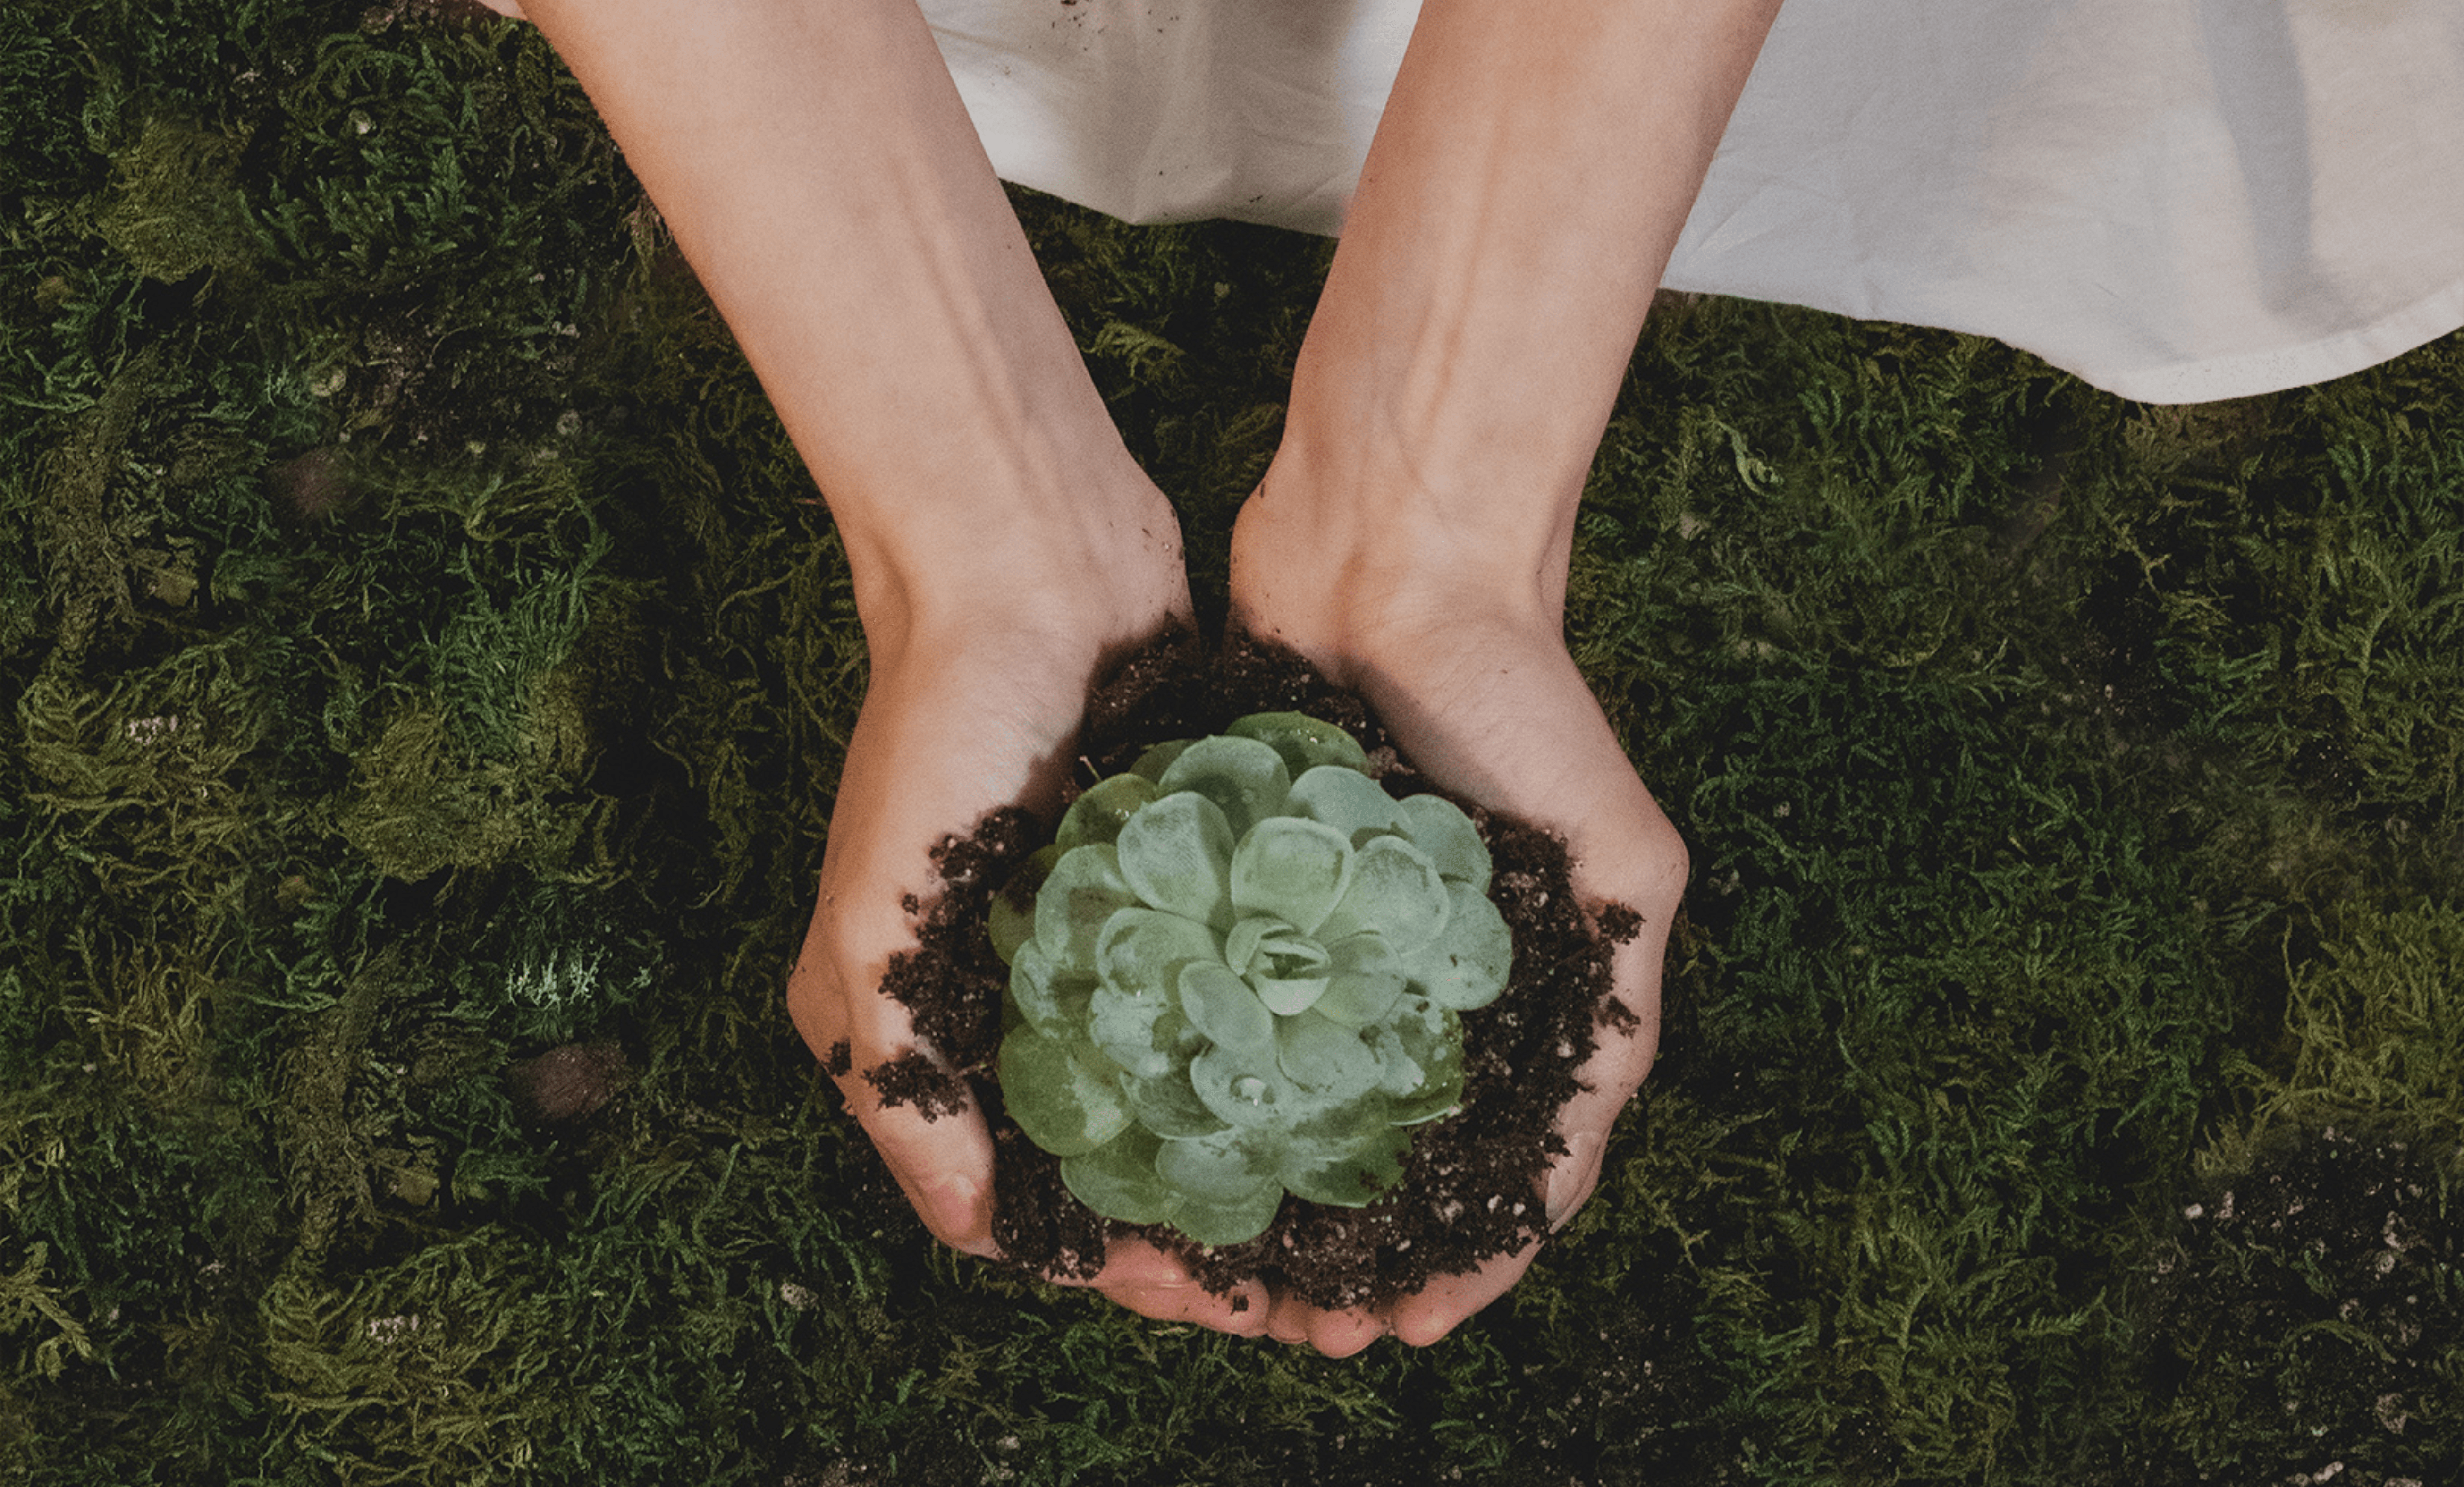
{"points": [[1487, 702]]}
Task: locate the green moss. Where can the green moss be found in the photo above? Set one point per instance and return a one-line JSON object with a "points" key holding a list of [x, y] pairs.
{"points": [[2071, 786], [174, 208], [2377, 1020]]}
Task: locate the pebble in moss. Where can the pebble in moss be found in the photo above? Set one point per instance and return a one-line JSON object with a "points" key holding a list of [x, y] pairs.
{"points": [[569, 1082]]}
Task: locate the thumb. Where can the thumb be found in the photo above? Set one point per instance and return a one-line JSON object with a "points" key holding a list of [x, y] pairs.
{"points": [[924, 1121]]}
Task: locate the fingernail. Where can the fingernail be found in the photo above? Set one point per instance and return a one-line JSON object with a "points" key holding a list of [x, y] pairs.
{"points": [[956, 1213], [1570, 1180]]}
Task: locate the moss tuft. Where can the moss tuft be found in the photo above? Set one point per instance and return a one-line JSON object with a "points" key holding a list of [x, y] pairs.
{"points": [[425, 669]]}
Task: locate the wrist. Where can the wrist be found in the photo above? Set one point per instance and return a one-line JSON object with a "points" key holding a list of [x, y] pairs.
{"points": [[1360, 585], [1331, 523], [1087, 567]]}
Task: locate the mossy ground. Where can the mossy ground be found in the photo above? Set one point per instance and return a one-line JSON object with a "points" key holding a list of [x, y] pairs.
{"points": [[421, 651]]}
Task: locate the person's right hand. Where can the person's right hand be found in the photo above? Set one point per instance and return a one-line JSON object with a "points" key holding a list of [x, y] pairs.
{"points": [[975, 708], [822, 176]]}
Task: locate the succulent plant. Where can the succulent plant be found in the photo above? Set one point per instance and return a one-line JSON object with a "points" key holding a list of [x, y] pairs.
{"points": [[1241, 976]]}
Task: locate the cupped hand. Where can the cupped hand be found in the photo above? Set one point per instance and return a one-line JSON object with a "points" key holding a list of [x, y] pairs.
{"points": [[965, 714], [1473, 681]]}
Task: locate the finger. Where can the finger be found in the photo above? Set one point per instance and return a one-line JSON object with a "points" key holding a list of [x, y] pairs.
{"points": [[1132, 1262], [932, 1136], [1585, 1125], [1441, 1305], [943, 1159], [1344, 1333], [1287, 1320], [1623, 1057], [1154, 1282], [1336, 1334], [1242, 1311], [1642, 870]]}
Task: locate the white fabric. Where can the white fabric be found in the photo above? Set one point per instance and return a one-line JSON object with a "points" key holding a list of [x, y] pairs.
{"points": [[2176, 200]]}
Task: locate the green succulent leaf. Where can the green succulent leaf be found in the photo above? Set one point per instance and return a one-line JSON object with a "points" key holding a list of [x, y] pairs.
{"points": [[1291, 868], [1228, 1223], [1098, 815], [1320, 1054], [1132, 1013], [1224, 1009], [1287, 968], [1245, 778], [1287, 996], [1118, 1179], [1241, 946], [1303, 741], [1011, 919], [1224, 1169], [1347, 800], [1064, 1107], [1144, 950], [1052, 1000], [1366, 980], [1151, 763], [1123, 1026], [1177, 856], [1435, 1100], [1439, 826], [1466, 966], [1419, 1052], [1085, 889], [1349, 1173], [1394, 891], [1242, 1086], [1168, 1105]]}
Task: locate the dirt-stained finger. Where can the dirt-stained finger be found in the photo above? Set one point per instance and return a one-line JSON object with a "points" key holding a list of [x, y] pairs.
{"points": [[1441, 1306]]}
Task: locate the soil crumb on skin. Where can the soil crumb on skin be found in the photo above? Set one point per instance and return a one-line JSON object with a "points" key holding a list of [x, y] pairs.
{"points": [[914, 1080], [943, 982], [1471, 1182]]}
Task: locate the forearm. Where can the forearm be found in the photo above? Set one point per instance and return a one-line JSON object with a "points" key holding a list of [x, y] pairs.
{"points": [[1525, 190], [818, 170]]}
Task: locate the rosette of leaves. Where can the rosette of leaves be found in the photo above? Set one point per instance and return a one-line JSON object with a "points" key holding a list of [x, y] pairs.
{"points": [[1241, 977]]}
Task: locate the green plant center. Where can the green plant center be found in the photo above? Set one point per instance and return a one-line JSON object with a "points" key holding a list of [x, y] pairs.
{"points": [[1241, 979]]}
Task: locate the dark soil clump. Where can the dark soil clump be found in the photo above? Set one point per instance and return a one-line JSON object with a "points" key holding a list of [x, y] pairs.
{"points": [[1470, 1189]]}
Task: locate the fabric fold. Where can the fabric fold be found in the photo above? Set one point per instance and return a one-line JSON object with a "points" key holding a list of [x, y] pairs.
{"points": [[2174, 200]]}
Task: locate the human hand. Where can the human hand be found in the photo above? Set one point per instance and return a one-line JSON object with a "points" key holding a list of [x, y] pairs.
{"points": [[1474, 684], [959, 718], [1000, 540]]}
